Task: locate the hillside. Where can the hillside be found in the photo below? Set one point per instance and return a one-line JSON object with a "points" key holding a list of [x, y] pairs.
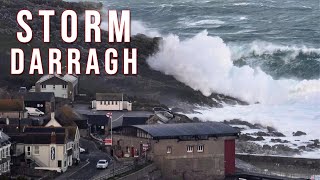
{"points": [[148, 85]]}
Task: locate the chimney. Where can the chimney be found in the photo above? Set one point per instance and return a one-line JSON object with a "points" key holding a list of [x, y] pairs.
{"points": [[7, 121], [52, 116], [53, 138]]}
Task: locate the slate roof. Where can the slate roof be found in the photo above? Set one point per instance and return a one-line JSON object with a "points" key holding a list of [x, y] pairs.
{"points": [[11, 105], [4, 138], [42, 135], [110, 97], [99, 120], [68, 78], [44, 139], [128, 121], [37, 96], [188, 129], [49, 130]]}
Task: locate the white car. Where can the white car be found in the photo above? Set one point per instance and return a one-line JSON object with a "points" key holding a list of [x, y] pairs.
{"points": [[102, 164], [82, 150], [34, 111]]}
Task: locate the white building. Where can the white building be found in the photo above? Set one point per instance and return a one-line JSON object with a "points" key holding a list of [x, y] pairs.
{"points": [[111, 102], [52, 147], [62, 86], [5, 157]]}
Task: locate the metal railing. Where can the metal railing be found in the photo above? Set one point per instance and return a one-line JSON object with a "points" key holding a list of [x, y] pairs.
{"points": [[116, 172]]}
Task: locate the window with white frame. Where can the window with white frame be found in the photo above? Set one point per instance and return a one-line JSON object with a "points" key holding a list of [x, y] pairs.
{"points": [[4, 153], [169, 149], [189, 148], [64, 86], [200, 148], [36, 150], [54, 86], [43, 86], [100, 102], [8, 151]]}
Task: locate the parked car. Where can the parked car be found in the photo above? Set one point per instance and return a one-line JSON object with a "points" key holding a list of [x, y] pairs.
{"points": [[102, 164], [82, 150], [34, 111]]}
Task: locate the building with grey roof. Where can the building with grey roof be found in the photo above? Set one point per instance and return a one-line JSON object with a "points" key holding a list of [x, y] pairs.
{"points": [[181, 151], [63, 86], [111, 102]]}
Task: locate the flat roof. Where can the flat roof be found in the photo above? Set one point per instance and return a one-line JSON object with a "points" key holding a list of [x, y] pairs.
{"points": [[188, 129]]}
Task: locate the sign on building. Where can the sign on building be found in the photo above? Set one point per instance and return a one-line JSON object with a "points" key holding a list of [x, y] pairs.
{"points": [[53, 153], [108, 142]]}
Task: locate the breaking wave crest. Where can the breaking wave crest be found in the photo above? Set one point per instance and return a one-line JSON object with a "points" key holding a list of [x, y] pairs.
{"points": [[205, 63]]}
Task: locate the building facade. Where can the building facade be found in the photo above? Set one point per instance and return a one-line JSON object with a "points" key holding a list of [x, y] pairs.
{"points": [[62, 86], [47, 148], [181, 151], [5, 157], [111, 102]]}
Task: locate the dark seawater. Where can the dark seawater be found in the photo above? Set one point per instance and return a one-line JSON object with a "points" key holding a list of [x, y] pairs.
{"points": [[282, 37]]}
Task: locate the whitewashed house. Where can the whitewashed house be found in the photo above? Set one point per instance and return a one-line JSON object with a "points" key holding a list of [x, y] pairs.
{"points": [[63, 86], [5, 157], [53, 147], [111, 102]]}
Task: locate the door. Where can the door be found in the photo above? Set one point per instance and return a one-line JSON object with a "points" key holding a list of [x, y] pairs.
{"points": [[229, 156], [132, 151]]}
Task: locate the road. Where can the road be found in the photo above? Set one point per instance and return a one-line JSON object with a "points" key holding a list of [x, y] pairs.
{"points": [[87, 168]]}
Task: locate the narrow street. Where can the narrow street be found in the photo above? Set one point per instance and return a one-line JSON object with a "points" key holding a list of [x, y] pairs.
{"points": [[87, 168]]}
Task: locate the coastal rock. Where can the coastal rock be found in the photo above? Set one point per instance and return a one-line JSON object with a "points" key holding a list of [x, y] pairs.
{"points": [[299, 133]]}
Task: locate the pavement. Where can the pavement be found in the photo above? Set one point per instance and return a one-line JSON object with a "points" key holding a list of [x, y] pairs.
{"points": [[87, 168]]}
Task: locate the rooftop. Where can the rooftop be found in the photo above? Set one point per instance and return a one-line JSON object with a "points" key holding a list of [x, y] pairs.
{"points": [[37, 96], [110, 97], [188, 129], [68, 78], [97, 119], [128, 121], [4, 138]]}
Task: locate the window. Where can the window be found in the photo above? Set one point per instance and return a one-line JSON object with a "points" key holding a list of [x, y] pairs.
{"points": [[189, 148], [7, 152], [116, 102], [65, 163], [28, 151], [36, 150], [59, 163], [169, 149], [54, 86], [105, 102], [64, 86], [100, 102], [43, 86], [112, 102], [200, 148], [4, 153]]}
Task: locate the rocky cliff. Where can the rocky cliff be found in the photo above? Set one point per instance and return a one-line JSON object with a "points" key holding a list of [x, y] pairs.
{"points": [[148, 85]]}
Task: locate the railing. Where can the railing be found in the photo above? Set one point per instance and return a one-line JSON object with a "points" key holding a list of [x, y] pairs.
{"points": [[112, 173]]}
